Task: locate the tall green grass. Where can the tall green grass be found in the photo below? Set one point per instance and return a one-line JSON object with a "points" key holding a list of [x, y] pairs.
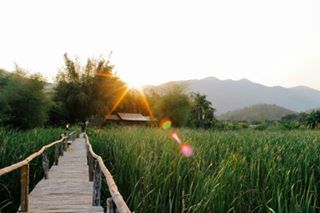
{"points": [[14, 147], [234, 171]]}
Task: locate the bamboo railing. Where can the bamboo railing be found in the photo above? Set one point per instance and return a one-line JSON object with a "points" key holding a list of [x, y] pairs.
{"points": [[60, 146], [96, 167]]}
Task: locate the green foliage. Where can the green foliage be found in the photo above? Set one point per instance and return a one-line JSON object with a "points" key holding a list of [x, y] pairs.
{"points": [[79, 93], [14, 147], [202, 113], [133, 102], [232, 171], [173, 103], [301, 120], [193, 110], [230, 125], [24, 104], [92, 91], [313, 119]]}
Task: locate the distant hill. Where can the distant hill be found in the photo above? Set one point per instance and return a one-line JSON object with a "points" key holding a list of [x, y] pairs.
{"points": [[230, 95], [259, 112]]}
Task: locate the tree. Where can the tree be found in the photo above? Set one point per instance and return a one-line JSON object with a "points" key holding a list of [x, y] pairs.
{"points": [[92, 91], [202, 113], [173, 103], [82, 92], [24, 104], [313, 119]]}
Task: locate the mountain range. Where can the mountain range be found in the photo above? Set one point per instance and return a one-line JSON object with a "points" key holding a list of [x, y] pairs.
{"points": [[230, 95]]}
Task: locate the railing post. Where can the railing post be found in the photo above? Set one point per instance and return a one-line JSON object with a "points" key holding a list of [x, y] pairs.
{"points": [[65, 142], [110, 205], [61, 148], [24, 179], [89, 162], [45, 164], [56, 154], [96, 197], [70, 138]]}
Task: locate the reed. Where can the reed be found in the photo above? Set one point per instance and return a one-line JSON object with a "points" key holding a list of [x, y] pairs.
{"points": [[14, 147], [231, 171]]}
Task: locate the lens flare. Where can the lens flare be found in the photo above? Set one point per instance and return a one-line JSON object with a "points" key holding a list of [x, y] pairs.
{"points": [[186, 150], [176, 137], [165, 123]]}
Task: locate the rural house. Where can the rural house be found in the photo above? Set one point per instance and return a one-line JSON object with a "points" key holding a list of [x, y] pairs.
{"points": [[128, 119]]}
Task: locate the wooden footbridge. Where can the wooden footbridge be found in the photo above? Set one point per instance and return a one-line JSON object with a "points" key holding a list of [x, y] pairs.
{"points": [[73, 183]]}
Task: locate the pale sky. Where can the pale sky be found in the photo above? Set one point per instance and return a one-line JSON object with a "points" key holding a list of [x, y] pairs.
{"points": [[273, 42]]}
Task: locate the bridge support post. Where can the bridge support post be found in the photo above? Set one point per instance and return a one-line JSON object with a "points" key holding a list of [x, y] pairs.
{"points": [[24, 179], [45, 164], [110, 205], [96, 197]]}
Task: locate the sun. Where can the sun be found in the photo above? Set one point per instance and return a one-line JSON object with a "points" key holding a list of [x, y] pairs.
{"points": [[134, 84]]}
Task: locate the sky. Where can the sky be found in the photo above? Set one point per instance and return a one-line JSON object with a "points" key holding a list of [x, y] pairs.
{"points": [[274, 42]]}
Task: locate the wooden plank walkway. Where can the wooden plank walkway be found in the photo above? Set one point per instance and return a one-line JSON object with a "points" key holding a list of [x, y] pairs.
{"points": [[68, 188]]}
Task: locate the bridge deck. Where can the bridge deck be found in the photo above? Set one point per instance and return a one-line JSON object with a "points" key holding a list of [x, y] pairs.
{"points": [[68, 188]]}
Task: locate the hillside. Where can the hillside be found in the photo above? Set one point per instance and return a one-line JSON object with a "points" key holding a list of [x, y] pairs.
{"points": [[230, 95], [259, 112]]}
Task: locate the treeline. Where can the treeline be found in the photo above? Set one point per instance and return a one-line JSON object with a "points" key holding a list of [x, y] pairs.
{"points": [[292, 121], [91, 92], [302, 120]]}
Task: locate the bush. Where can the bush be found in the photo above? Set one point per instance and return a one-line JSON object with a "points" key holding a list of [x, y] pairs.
{"points": [[23, 102]]}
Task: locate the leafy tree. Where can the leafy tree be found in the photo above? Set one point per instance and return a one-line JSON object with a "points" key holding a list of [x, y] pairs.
{"points": [[173, 103], [24, 104], [294, 121], [313, 119], [133, 102], [82, 92], [290, 117], [92, 91], [202, 113]]}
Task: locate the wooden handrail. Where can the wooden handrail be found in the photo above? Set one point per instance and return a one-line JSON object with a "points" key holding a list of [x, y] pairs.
{"points": [[28, 159], [116, 196], [24, 165]]}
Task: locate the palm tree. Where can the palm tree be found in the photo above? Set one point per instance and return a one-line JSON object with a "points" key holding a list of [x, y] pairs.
{"points": [[203, 112], [313, 119]]}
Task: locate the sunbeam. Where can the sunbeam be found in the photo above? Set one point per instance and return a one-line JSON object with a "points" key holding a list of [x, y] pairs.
{"points": [[122, 96], [147, 105]]}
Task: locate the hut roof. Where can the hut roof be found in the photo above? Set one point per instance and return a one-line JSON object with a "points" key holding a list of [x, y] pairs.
{"points": [[132, 117]]}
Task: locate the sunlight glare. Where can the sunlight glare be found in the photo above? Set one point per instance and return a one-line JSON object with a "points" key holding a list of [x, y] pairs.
{"points": [[176, 137], [165, 123], [186, 150], [134, 84]]}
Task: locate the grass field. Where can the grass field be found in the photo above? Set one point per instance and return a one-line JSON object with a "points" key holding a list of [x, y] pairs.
{"points": [[14, 147], [233, 171]]}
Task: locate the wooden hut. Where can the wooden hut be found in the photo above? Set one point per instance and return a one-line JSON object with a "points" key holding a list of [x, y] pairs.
{"points": [[128, 119]]}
